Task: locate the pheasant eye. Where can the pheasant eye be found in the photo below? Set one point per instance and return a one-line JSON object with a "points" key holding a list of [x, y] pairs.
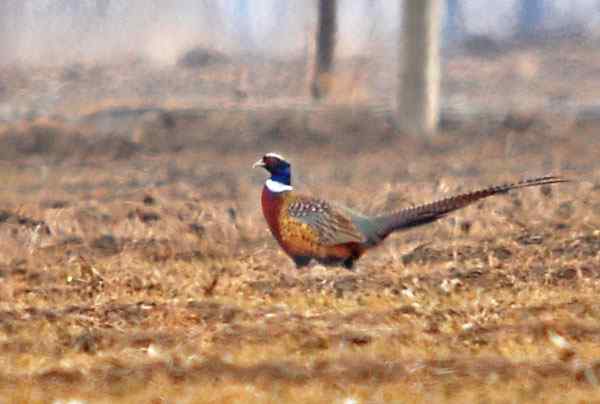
{"points": [[269, 161]]}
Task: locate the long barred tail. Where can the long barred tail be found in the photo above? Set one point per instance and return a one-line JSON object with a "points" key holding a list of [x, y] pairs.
{"points": [[430, 212]]}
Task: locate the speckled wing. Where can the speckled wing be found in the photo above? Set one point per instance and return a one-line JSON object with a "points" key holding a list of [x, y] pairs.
{"points": [[332, 224]]}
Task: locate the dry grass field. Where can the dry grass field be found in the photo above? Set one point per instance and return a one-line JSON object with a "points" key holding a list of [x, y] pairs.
{"points": [[136, 267]]}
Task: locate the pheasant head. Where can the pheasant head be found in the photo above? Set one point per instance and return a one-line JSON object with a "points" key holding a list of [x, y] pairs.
{"points": [[280, 170]]}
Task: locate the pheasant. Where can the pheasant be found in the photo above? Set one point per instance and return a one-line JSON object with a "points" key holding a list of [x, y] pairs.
{"points": [[309, 228]]}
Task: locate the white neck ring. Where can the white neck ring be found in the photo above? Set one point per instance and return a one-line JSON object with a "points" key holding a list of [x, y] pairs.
{"points": [[277, 187]]}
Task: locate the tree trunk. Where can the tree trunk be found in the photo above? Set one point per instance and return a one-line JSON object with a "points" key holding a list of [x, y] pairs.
{"points": [[454, 27], [419, 86], [531, 14], [242, 20], [327, 27]]}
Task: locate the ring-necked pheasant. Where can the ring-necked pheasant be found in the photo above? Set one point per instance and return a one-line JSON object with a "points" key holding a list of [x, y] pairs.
{"points": [[310, 228]]}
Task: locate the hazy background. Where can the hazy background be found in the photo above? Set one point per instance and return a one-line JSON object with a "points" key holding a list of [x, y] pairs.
{"points": [[69, 58], [57, 31]]}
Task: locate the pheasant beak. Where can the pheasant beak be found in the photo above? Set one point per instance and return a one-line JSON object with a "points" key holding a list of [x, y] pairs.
{"points": [[259, 163]]}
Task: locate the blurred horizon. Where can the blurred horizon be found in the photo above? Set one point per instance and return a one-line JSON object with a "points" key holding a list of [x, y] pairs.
{"points": [[68, 59], [53, 32]]}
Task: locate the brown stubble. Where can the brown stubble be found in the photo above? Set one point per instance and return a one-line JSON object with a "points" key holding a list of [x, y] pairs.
{"points": [[156, 276]]}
